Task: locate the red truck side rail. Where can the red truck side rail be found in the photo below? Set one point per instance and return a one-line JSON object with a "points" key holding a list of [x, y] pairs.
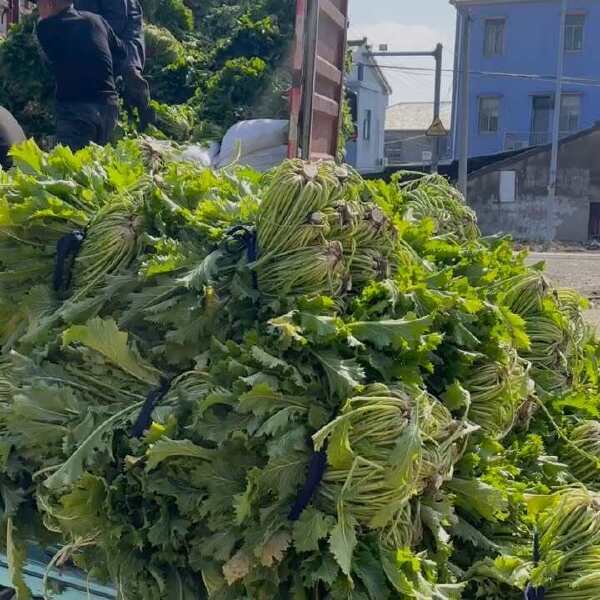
{"points": [[318, 78]]}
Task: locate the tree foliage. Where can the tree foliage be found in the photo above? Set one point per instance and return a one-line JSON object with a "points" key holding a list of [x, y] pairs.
{"points": [[25, 81]]}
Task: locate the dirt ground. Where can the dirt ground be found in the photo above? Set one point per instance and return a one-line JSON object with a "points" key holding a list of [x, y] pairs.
{"points": [[576, 270]]}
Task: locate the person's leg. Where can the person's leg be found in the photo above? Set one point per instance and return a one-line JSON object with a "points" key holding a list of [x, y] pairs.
{"points": [[76, 126], [5, 160], [136, 91], [109, 116], [136, 94]]}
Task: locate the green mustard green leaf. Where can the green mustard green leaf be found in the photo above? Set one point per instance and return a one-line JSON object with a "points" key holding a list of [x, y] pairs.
{"points": [[312, 527], [343, 540], [166, 448], [103, 336]]}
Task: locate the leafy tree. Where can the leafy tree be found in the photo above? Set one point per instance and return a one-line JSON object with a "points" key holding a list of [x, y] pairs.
{"points": [[230, 92], [171, 14], [25, 81]]}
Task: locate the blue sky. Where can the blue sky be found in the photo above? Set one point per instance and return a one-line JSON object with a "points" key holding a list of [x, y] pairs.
{"points": [[407, 25]]}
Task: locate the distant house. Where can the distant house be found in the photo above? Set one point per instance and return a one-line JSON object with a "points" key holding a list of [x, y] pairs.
{"points": [[369, 93], [513, 62], [511, 195], [406, 126]]}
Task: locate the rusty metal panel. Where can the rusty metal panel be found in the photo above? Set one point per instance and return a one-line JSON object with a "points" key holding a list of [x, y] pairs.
{"points": [[316, 109], [297, 78]]}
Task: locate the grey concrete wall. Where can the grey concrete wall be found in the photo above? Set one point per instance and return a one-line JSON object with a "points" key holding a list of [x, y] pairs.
{"points": [[530, 217]]}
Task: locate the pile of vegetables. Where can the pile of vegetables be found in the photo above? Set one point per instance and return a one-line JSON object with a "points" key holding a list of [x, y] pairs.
{"points": [[299, 385]]}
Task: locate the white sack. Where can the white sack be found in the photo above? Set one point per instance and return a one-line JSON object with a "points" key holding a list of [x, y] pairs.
{"points": [[265, 160], [249, 137], [205, 155]]}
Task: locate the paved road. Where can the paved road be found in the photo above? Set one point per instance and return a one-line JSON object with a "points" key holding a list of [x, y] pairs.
{"points": [[576, 270]]}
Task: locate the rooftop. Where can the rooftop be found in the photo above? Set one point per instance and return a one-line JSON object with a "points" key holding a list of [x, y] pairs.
{"points": [[416, 116], [361, 54]]}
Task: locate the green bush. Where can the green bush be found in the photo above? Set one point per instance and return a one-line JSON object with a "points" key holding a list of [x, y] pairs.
{"points": [[175, 122], [231, 91], [251, 38], [25, 81], [175, 16], [168, 66], [162, 47]]}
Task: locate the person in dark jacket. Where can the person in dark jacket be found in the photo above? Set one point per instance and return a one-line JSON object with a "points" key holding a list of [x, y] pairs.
{"points": [[11, 133], [81, 48], [126, 17]]}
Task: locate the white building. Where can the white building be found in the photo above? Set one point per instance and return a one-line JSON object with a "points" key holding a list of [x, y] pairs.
{"points": [[369, 93]]}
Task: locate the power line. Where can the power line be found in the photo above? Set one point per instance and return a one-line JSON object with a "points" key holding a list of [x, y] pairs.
{"points": [[527, 76]]}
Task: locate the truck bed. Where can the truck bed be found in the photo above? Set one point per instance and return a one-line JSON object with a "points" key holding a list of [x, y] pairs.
{"points": [[66, 583]]}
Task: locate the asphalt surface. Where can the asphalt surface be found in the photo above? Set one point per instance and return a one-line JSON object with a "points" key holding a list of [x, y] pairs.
{"points": [[576, 270]]}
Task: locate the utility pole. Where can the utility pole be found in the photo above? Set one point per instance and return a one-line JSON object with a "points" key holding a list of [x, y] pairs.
{"points": [[556, 121], [439, 49], [437, 129], [463, 166]]}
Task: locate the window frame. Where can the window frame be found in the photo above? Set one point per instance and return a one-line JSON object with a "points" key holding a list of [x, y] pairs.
{"points": [[495, 51], [538, 138], [568, 27], [367, 125], [481, 101], [360, 74], [564, 96]]}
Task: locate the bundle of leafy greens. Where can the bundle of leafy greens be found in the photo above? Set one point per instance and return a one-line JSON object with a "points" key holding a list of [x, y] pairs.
{"points": [[298, 385]]}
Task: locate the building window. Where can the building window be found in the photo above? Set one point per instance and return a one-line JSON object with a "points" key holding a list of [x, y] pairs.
{"points": [[361, 72], [494, 37], [541, 119], [574, 33], [367, 125], [570, 113], [489, 115]]}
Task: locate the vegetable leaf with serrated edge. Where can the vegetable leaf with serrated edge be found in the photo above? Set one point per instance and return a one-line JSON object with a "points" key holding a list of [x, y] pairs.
{"points": [[391, 333], [166, 448], [343, 375], [104, 337], [73, 468], [343, 540], [311, 528]]}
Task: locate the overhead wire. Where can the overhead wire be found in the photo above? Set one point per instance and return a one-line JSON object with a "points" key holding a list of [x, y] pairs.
{"points": [[528, 76]]}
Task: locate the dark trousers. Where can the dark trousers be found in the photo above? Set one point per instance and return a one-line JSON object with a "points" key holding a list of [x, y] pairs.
{"points": [[5, 161], [135, 90], [78, 124]]}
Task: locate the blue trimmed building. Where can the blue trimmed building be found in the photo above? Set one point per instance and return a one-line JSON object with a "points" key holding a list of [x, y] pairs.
{"points": [[513, 66]]}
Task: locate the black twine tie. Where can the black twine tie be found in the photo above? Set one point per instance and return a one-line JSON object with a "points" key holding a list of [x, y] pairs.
{"points": [[144, 419], [67, 249]]}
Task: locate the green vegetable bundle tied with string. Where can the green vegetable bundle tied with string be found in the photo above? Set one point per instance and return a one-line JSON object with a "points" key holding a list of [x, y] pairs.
{"points": [[300, 385]]}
